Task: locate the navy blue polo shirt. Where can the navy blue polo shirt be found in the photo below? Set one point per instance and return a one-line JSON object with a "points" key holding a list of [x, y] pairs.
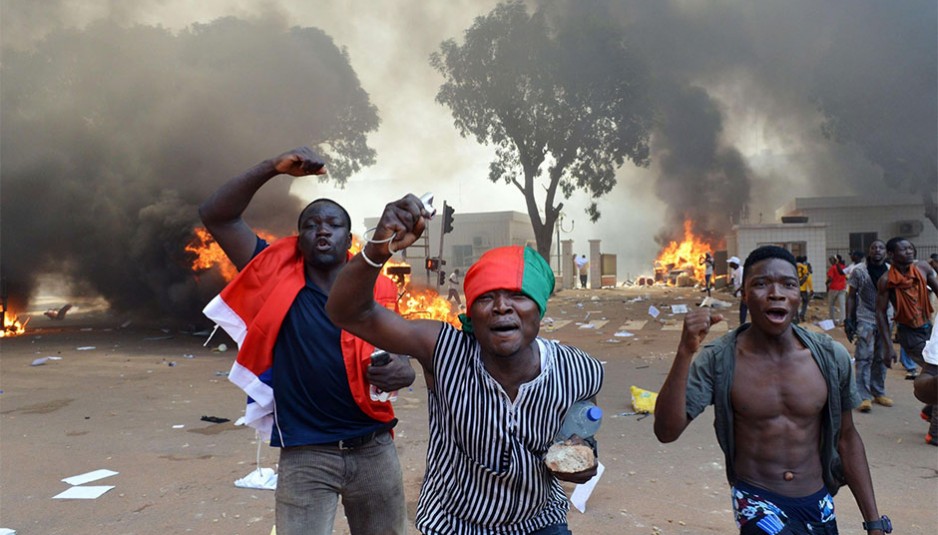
{"points": [[313, 401]]}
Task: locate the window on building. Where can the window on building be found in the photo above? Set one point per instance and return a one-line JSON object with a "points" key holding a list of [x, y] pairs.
{"points": [[860, 241], [796, 248], [462, 255]]}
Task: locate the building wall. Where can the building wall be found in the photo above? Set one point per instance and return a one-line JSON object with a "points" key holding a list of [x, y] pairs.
{"points": [[846, 215], [746, 238]]}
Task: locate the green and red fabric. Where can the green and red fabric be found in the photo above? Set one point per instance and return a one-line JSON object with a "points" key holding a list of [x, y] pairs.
{"points": [[508, 268]]}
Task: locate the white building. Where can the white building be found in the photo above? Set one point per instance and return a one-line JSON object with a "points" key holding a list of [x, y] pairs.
{"points": [[854, 222], [818, 227]]}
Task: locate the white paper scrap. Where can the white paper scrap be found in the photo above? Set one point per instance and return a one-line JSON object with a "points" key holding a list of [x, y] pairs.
{"points": [[826, 324], [653, 312], [679, 309], [83, 493], [95, 475], [582, 492], [624, 334], [40, 361], [85, 348], [7, 531], [261, 478], [179, 426]]}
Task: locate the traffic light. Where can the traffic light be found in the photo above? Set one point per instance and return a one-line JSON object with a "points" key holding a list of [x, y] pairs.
{"points": [[433, 264], [442, 275], [447, 218]]}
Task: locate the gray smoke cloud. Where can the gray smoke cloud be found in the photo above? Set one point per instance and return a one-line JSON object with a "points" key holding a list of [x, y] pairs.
{"points": [[758, 102], [113, 134]]}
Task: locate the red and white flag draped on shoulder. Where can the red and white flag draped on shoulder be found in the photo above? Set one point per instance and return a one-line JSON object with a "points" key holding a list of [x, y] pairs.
{"points": [[251, 309]]}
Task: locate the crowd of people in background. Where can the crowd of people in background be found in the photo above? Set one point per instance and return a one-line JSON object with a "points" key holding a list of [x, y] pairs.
{"points": [[317, 330]]}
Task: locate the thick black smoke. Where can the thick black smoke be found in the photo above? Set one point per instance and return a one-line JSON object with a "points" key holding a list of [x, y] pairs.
{"points": [[112, 135], [847, 90]]}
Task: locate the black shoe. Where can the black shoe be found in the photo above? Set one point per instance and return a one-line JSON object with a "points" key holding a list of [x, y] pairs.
{"points": [[911, 376]]}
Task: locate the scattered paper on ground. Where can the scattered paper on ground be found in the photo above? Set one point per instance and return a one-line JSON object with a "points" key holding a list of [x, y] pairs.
{"points": [[557, 324], [624, 334], [679, 309], [826, 324], [83, 493], [633, 325], [89, 476], [653, 312], [594, 324], [582, 492], [261, 478]]}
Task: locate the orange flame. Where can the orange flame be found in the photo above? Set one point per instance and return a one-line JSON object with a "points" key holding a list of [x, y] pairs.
{"points": [[686, 255], [425, 303], [412, 303], [208, 254], [12, 325]]}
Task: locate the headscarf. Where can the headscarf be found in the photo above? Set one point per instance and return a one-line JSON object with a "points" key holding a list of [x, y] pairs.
{"points": [[508, 268]]}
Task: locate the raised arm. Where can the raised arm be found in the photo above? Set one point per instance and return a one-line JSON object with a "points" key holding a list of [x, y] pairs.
{"points": [[351, 305], [221, 213], [671, 408]]}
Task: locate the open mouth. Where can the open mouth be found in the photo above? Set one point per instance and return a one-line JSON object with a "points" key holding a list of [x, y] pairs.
{"points": [[776, 314], [323, 244], [504, 328]]}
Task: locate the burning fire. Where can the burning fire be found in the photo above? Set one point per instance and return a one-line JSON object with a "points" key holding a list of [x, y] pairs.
{"points": [[427, 304], [684, 256], [12, 326], [412, 302], [208, 253]]}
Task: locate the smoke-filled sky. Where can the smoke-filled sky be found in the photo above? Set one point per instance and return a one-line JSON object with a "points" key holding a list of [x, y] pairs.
{"points": [[136, 110]]}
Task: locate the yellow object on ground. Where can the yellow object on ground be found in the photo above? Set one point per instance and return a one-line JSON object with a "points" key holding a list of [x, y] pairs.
{"points": [[643, 400]]}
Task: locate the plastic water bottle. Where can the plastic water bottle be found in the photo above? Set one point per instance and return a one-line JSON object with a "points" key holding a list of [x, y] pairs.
{"points": [[583, 420]]}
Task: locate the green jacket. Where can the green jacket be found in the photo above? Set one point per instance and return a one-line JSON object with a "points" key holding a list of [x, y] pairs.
{"points": [[711, 379]]}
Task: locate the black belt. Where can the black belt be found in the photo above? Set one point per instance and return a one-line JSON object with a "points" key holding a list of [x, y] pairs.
{"points": [[357, 442]]}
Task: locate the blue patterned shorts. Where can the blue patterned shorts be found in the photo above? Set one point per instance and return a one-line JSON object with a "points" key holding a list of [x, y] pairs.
{"points": [[761, 512]]}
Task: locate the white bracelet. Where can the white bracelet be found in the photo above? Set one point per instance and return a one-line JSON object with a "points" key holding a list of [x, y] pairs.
{"points": [[371, 262], [369, 240]]}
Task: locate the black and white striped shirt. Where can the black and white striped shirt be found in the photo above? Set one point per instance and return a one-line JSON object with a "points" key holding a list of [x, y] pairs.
{"points": [[485, 468]]}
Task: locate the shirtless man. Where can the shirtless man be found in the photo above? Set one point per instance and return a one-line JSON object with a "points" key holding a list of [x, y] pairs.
{"points": [[783, 398]]}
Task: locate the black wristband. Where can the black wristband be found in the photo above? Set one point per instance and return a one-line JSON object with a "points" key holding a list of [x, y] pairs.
{"points": [[883, 524]]}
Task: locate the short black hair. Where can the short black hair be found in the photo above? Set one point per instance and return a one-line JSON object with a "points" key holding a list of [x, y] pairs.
{"points": [[766, 252], [857, 254], [894, 242], [934, 256], [348, 219]]}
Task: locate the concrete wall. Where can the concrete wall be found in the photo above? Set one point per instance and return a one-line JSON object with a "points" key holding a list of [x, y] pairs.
{"points": [[882, 216], [749, 237]]}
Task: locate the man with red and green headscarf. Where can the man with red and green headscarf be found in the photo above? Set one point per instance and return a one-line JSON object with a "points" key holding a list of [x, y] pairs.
{"points": [[498, 393]]}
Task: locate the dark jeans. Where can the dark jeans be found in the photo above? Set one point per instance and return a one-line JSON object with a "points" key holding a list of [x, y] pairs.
{"points": [[805, 299], [556, 529]]}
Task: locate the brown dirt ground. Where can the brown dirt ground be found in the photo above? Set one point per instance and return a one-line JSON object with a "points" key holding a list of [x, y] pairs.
{"points": [[115, 407]]}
